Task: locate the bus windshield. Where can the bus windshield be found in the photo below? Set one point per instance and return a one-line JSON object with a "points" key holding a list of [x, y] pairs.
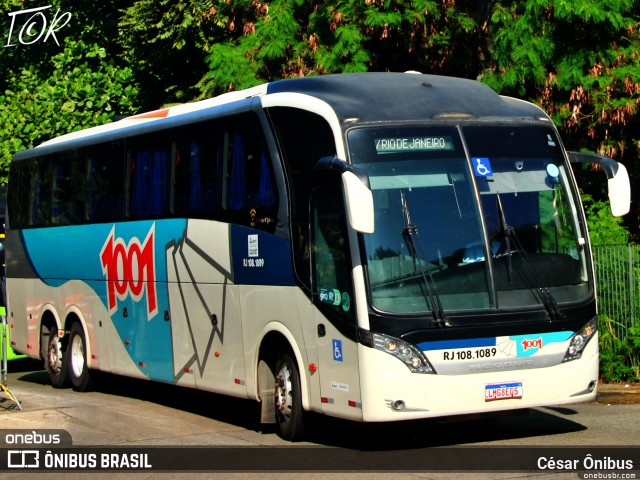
{"points": [[471, 217]]}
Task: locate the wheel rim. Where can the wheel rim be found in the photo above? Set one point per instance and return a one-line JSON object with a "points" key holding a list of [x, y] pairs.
{"points": [[284, 388], [55, 355], [77, 356]]}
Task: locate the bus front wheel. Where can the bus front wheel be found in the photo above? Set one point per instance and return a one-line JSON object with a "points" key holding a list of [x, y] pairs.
{"points": [[77, 355], [288, 399], [56, 361]]}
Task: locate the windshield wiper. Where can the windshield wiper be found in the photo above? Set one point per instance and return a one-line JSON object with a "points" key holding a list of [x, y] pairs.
{"points": [[408, 233], [529, 275]]}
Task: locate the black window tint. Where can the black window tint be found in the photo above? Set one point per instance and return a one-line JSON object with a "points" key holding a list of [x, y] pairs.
{"points": [[105, 182], [304, 138], [68, 187], [148, 176], [40, 188], [18, 195], [331, 258], [250, 195], [197, 163]]}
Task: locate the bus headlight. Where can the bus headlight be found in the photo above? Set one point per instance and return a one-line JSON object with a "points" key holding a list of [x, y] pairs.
{"points": [[580, 340], [407, 353]]}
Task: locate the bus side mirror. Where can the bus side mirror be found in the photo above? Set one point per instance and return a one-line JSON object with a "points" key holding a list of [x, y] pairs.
{"points": [[359, 203], [619, 186], [355, 185]]}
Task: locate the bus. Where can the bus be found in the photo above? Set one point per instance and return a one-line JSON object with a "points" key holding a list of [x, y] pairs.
{"points": [[371, 246]]}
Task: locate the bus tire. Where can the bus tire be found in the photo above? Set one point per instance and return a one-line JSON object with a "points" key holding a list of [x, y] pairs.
{"points": [[289, 414], [77, 359], [56, 361]]}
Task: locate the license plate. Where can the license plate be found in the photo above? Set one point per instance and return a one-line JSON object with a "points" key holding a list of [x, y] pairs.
{"points": [[502, 391]]}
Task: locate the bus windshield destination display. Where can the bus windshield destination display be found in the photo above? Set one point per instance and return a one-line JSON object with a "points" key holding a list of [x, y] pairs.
{"points": [[414, 144]]}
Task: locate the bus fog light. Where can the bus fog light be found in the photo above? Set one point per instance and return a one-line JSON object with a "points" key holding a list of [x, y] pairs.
{"points": [[398, 405]]}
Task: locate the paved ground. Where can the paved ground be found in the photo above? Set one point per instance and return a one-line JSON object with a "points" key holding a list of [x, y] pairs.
{"points": [[128, 412]]}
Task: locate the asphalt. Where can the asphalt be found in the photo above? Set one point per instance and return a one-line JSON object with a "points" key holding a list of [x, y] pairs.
{"points": [[136, 413]]}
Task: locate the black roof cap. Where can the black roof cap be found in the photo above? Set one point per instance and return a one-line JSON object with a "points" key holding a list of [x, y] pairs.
{"points": [[405, 96]]}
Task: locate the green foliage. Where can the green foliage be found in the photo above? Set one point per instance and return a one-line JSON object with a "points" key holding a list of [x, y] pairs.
{"points": [[84, 90], [579, 61], [619, 357], [164, 43], [222, 46], [604, 229]]}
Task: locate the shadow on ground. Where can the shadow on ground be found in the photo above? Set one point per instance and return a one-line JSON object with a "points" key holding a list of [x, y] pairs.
{"points": [[329, 431]]}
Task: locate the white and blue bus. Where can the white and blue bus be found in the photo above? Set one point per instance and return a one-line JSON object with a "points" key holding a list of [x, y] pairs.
{"points": [[375, 247]]}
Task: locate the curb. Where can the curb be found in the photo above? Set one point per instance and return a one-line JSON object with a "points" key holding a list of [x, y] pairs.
{"points": [[618, 393]]}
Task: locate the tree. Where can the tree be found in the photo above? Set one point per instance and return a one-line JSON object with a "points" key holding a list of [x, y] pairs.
{"points": [[579, 61], [280, 39], [84, 90], [221, 46]]}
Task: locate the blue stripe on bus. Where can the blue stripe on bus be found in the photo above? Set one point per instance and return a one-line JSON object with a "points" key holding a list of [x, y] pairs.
{"points": [[462, 343]]}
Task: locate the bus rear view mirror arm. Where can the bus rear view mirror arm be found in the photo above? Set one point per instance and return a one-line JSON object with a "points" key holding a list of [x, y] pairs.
{"points": [[619, 186], [357, 192]]}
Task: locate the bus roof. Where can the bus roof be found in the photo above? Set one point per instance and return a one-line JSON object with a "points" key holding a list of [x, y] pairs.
{"points": [[407, 96], [361, 97]]}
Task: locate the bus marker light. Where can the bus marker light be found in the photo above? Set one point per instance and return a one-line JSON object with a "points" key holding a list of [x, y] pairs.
{"points": [[217, 354], [93, 357], [313, 368], [141, 364], [60, 333]]}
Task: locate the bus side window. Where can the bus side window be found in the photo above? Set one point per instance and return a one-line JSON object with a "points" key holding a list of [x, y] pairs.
{"points": [[198, 156], [148, 177], [40, 208], [105, 180], [330, 253], [69, 178], [250, 197], [20, 196]]}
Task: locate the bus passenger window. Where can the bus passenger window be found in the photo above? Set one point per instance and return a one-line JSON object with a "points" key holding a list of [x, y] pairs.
{"points": [[105, 179], [40, 211], [68, 188], [250, 197], [148, 178], [198, 157]]}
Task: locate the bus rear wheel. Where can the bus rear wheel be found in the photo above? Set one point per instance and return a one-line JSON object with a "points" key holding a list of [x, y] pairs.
{"points": [[77, 359], [289, 415], [56, 361]]}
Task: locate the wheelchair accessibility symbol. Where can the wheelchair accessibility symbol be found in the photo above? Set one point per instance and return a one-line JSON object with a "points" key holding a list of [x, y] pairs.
{"points": [[482, 167], [337, 350]]}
